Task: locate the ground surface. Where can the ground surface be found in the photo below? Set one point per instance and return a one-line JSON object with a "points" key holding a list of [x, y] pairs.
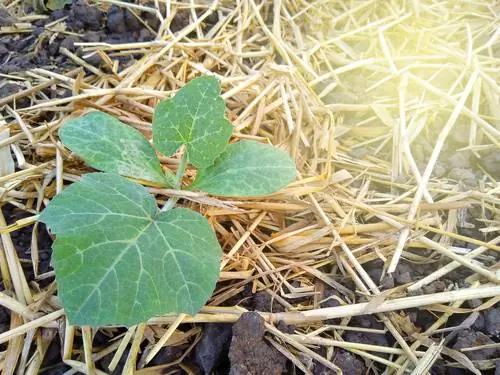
{"points": [[247, 346]]}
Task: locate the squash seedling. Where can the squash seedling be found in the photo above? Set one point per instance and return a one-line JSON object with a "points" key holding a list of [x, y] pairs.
{"points": [[118, 258]]}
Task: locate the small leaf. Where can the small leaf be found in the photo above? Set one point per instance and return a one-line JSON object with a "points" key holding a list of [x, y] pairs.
{"points": [[247, 168], [195, 118], [57, 4], [119, 260], [105, 143]]}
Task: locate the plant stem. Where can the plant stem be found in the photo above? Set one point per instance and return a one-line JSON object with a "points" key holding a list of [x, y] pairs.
{"points": [[178, 182]]}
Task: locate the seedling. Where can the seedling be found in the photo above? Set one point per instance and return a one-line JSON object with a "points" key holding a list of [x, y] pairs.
{"points": [[118, 258]]}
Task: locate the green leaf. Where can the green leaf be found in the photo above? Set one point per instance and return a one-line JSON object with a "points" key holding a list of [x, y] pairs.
{"points": [[195, 118], [57, 4], [105, 143], [247, 168], [119, 260]]}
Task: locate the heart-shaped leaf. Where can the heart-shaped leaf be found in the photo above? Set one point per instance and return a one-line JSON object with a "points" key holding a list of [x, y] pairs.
{"points": [[195, 118], [247, 168], [109, 145], [119, 260]]}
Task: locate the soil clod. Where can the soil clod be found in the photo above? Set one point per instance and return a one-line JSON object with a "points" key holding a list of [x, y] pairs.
{"points": [[468, 339], [214, 342], [249, 353]]}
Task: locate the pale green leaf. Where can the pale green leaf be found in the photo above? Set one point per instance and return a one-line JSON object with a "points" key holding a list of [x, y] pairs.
{"points": [[247, 168], [109, 145], [119, 260], [195, 118], [56, 4]]}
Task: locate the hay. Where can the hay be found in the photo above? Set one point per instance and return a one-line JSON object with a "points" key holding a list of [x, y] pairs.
{"points": [[351, 92]]}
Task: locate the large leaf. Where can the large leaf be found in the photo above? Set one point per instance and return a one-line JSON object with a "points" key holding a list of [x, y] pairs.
{"points": [[195, 118], [119, 260], [247, 168], [105, 143]]}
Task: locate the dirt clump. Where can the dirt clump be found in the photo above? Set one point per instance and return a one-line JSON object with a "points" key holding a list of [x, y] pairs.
{"points": [[45, 47], [213, 346], [492, 322], [468, 338], [348, 362], [84, 17], [249, 353]]}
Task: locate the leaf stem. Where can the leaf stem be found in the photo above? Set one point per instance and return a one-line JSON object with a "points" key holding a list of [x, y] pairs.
{"points": [[178, 181]]}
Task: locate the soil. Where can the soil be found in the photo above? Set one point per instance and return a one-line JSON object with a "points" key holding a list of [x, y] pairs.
{"points": [[211, 351], [239, 349], [249, 353], [83, 23], [349, 364]]}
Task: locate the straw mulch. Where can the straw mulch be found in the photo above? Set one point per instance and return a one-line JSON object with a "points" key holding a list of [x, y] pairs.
{"points": [[355, 92]]}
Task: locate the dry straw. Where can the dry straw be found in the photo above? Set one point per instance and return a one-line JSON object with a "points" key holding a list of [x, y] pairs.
{"points": [[352, 90]]}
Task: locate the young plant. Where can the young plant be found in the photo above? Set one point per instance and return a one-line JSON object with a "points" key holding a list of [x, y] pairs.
{"points": [[118, 258]]}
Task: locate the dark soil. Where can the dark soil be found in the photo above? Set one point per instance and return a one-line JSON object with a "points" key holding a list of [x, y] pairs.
{"points": [[211, 351], [84, 23], [249, 353], [349, 364]]}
